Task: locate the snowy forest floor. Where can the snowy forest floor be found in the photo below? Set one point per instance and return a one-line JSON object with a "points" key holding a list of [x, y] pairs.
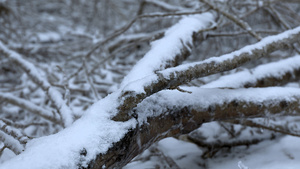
{"points": [[279, 153]]}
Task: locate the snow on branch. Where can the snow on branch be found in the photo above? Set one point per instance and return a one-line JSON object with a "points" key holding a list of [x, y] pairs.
{"points": [[54, 95], [124, 28], [163, 114], [12, 132], [172, 49], [223, 103], [263, 75], [136, 91], [12, 138], [170, 112], [30, 107], [232, 135], [11, 143]]}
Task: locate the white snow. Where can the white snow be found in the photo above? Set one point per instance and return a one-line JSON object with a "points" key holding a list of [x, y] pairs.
{"points": [[247, 49], [32, 107], [35, 74], [167, 48], [275, 154], [12, 143], [281, 153], [48, 36], [203, 98], [239, 79], [94, 132], [185, 155]]}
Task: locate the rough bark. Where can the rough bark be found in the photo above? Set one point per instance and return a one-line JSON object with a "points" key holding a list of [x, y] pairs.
{"points": [[180, 120], [173, 77]]}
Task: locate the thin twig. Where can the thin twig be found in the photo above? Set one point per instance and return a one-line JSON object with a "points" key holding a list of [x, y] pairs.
{"points": [[235, 19]]}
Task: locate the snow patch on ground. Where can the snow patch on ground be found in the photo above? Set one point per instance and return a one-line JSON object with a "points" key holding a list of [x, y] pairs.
{"points": [[280, 153], [274, 154]]}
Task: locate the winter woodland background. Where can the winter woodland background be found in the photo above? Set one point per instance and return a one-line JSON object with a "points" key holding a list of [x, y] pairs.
{"points": [[217, 84]]}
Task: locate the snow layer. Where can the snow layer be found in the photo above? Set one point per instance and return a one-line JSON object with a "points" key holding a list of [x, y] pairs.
{"points": [[275, 69], [159, 103], [36, 76], [247, 49], [277, 154], [282, 153], [185, 155], [94, 132], [165, 50]]}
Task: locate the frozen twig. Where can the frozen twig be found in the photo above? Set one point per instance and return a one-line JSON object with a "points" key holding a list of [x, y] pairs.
{"points": [[234, 18], [54, 95], [30, 107], [275, 128], [90, 81], [127, 26], [16, 134], [22, 126], [279, 17], [165, 6], [11, 143]]}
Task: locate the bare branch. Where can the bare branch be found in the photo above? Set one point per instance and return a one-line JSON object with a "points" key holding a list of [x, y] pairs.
{"points": [[165, 6], [235, 19], [127, 26], [90, 81], [275, 128]]}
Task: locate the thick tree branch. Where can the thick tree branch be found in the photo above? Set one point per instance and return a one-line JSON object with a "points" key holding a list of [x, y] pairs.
{"points": [[168, 118], [173, 77]]}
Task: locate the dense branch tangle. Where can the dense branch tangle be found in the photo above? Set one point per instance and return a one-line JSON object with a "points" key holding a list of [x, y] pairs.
{"points": [[149, 101]]}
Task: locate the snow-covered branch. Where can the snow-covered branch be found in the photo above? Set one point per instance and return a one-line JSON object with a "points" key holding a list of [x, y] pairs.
{"points": [[178, 113], [136, 91], [82, 47], [12, 138], [12, 132], [269, 74], [30, 107], [54, 95]]}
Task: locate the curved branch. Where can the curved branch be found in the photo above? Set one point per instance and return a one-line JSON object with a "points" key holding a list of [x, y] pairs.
{"points": [[30, 107], [271, 74], [54, 95], [235, 19], [173, 77], [167, 118]]}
